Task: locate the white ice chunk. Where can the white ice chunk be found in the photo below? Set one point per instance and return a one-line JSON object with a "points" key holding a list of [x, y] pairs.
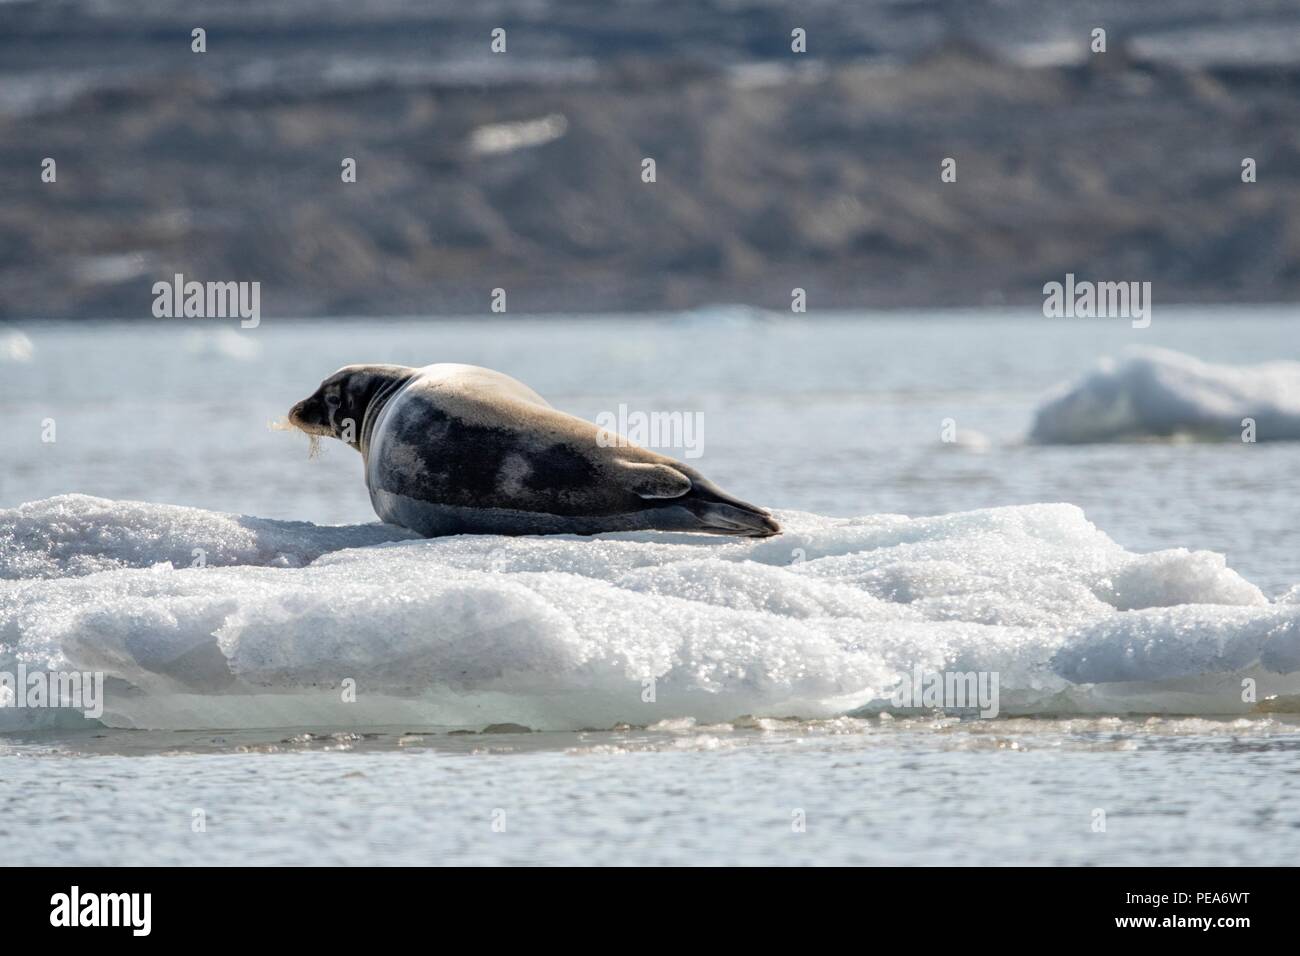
{"points": [[78, 534], [290, 624], [1158, 393]]}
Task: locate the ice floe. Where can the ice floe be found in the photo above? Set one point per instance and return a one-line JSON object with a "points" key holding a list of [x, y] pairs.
{"points": [[292, 624]]}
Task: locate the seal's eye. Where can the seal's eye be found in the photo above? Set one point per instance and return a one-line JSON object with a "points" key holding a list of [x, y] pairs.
{"points": [[333, 400]]}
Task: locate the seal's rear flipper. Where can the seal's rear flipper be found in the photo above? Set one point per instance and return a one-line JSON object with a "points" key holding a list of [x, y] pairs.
{"points": [[721, 513], [717, 517], [696, 500]]}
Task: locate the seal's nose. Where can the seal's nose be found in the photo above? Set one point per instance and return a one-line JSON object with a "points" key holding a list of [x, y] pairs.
{"points": [[295, 413]]}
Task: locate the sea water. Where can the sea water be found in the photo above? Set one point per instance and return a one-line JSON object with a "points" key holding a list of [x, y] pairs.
{"points": [[647, 698]]}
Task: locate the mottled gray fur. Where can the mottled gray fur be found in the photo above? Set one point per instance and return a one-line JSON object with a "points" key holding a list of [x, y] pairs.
{"points": [[458, 449]]}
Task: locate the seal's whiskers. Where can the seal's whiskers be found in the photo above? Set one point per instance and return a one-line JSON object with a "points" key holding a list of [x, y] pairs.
{"points": [[284, 425]]}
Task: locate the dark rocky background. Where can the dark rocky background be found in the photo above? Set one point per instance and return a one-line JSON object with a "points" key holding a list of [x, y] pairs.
{"points": [[775, 170]]}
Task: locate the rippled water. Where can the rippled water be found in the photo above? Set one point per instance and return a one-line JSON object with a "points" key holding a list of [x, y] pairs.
{"points": [[1173, 792], [837, 416]]}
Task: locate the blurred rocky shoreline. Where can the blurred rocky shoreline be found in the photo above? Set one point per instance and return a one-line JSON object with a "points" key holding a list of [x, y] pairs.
{"points": [[523, 170]]}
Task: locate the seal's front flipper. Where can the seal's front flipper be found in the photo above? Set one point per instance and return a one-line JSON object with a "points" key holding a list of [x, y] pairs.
{"points": [[650, 480]]}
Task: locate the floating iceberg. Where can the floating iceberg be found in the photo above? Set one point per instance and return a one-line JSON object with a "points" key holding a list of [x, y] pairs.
{"points": [[16, 347], [1157, 393], [286, 622]]}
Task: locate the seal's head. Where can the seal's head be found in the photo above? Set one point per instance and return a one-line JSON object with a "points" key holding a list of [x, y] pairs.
{"points": [[339, 408]]}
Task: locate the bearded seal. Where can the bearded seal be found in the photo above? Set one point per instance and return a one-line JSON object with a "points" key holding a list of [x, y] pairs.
{"points": [[459, 449]]}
